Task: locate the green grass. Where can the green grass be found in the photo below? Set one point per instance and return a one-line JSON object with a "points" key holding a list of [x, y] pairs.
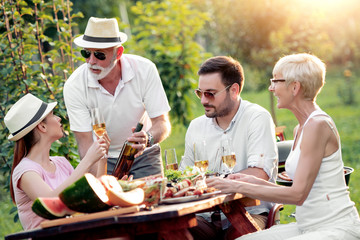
{"points": [[7, 224], [347, 119]]}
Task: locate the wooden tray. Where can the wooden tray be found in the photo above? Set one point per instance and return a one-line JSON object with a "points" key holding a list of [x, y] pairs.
{"points": [[90, 216]]}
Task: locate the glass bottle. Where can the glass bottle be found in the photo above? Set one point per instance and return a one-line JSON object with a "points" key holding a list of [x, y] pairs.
{"points": [[126, 157]]}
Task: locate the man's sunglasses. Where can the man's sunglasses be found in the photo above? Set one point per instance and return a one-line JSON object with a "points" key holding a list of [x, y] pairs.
{"points": [[209, 95], [98, 55]]}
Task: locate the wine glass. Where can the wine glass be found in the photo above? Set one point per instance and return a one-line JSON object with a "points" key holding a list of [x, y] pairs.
{"points": [[228, 157], [201, 159], [170, 159], [98, 122]]}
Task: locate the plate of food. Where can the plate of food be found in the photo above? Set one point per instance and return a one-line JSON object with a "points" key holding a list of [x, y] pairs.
{"points": [[191, 198], [186, 186]]}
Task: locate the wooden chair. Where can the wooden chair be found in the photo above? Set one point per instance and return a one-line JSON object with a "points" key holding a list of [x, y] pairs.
{"points": [[273, 219], [274, 215]]}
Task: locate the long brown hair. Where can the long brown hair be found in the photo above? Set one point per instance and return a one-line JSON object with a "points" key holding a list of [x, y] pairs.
{"points": [[21, 149]]}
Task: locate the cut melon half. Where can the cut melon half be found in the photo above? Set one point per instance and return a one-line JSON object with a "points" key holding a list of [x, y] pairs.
{"points": [[126, 199], [86, 195]]}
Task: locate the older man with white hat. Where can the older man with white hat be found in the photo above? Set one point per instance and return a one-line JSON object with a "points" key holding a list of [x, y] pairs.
{"points": [[125, 88]]}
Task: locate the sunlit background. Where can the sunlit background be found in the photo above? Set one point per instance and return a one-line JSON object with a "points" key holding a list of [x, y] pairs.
{"points": [[178, 35]]}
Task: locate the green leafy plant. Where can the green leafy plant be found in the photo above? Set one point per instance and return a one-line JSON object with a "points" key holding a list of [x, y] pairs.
{"points": [[37, 57], [165, 33]]}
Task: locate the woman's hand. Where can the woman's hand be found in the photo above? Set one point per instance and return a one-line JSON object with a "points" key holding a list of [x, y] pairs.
{"points": [[225, 185], [107, 140], [245, 178], [98, 150]]}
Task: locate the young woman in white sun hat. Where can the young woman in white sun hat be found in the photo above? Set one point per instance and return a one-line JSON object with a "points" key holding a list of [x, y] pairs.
{"points": [[34, 127]]}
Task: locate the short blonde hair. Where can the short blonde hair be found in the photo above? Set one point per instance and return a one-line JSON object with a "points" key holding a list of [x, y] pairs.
{"points": [[305, 68]]}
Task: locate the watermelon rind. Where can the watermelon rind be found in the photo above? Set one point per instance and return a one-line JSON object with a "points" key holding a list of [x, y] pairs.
{"points": [[85, 195], [41, 207]]}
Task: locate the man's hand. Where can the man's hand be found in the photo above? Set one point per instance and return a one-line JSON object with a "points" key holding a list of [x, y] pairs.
{"points": [[140, 139]]}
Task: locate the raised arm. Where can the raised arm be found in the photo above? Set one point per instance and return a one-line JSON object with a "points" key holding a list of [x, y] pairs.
{"points": [[34, 186], [84, 141]]}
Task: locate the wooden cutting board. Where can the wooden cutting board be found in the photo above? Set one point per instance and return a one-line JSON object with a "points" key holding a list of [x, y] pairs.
{"points": [[90, 216]]}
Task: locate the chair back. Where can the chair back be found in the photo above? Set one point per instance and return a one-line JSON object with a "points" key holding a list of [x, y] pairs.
{"points": [[274, 215], [284, 148]]}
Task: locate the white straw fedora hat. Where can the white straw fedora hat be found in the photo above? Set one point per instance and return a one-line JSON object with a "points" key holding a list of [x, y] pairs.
{"points": [[101, 33], [25, 115]]}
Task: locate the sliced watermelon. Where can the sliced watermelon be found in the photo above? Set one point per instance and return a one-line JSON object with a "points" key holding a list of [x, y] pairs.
{"points": [[86, 195], [50, 208]]}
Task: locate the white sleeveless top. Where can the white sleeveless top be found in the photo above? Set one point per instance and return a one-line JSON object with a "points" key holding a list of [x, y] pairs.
{"points": [[328, 201]]}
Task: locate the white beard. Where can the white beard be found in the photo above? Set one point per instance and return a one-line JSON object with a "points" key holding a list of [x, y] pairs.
{"points": [[104, 71]]}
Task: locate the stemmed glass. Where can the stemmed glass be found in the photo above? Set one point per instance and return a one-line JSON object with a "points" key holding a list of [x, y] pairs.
{"points": [[98, 122], [228, 157], [170, 159], [201, 160]]}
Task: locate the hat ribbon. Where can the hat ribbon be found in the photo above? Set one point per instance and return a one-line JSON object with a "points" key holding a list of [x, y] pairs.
{"points": [[37, 115], [102, 39]]}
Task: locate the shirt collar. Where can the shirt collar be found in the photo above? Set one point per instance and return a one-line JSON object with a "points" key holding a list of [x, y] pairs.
{"points": [[127, 71]]}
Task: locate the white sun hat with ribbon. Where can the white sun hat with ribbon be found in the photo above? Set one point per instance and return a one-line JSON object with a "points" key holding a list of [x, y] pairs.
{"points": [[101, 33], [25, 115]]}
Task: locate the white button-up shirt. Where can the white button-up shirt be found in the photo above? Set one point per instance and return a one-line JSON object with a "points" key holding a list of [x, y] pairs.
{"points": [[252, 134]]}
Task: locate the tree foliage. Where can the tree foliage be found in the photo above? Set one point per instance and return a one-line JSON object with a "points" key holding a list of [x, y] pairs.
{"points": [[165, 32], [259, 32], [37, 57]]}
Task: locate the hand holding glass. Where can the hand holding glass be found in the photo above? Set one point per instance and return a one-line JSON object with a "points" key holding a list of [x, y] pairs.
{"points": [[170, 159], [201, 160], [228, 155], [98, 122]]}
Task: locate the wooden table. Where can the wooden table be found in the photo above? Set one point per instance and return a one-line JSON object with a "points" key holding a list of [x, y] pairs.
{"points": [[167, 221]]}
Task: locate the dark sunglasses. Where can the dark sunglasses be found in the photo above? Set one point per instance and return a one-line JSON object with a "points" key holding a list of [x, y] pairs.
{"points": [[98, 55], [209, 95]]}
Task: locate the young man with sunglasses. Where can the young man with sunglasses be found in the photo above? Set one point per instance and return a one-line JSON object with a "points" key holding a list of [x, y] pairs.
{"points": [[248, 127], [124, 87]]}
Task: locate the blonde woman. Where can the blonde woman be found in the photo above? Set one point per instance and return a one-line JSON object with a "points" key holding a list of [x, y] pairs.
{"points": [[34, 127], [323, 206]]}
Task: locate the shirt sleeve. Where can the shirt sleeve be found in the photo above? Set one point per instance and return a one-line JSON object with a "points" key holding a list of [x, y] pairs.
{"points": [[23, 167], [262, 151], [154, 97], [75, 102]]}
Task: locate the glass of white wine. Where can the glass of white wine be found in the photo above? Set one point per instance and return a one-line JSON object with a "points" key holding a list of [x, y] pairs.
{"points": [[171, 159], [201, 160], [98, 122], [228, 157]]}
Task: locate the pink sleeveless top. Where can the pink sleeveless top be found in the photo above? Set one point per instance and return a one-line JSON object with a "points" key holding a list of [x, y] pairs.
{"points": [[28, 218]]}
